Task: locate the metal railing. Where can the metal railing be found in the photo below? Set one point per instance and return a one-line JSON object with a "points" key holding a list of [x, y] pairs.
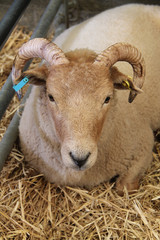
{"points": [[7, 92]]}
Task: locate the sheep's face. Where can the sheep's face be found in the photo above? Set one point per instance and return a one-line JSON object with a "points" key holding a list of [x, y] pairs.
{"points": [[79, 86], [79, 97]]}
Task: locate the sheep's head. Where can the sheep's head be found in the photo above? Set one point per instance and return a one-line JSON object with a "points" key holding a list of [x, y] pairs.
{"points": [[79, 92]]}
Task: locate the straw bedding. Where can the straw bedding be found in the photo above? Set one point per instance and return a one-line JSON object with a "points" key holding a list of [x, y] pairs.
{"points": [[31, 208]]}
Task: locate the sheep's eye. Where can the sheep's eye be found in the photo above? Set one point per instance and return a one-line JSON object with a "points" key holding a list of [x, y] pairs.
{"points": [[107, 100], [51, 98]]}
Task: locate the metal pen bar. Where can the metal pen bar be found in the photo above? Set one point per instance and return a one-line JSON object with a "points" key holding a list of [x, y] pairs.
{"points": [[11, 134], [10, 19], [46, 19], [7, 92]]}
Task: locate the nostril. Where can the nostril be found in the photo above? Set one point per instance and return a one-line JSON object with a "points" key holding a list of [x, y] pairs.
{"points": [[79, 161]]}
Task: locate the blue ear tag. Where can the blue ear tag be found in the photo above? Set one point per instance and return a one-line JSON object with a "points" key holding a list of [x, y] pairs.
{"points": [[20, 85]]}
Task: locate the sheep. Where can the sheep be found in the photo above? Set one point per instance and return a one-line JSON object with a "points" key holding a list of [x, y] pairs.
{"points": [[78, 128]]}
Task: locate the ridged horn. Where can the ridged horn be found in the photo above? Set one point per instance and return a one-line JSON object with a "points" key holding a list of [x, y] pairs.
{"points": [[128, 53], [37, 47]]}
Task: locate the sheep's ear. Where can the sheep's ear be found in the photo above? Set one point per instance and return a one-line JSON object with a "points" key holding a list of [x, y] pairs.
{"points": [[37, 76], [122, 81]]}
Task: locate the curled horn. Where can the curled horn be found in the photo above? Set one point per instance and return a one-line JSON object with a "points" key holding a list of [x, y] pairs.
{"points": [[37, 47], [128, 53]]}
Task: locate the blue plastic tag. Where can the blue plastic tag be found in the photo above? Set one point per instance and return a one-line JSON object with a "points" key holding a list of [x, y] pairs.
{"points": [[21, 84]]}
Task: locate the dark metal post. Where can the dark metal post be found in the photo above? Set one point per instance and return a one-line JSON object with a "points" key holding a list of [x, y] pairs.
{"points": [[66, 13], [10, 19]]}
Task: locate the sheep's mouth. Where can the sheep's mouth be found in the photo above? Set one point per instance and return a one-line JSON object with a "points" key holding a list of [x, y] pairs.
{"points": [[80, 169]]}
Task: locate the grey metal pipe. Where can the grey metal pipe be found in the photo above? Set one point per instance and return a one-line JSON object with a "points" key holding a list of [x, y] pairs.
{"points": [[11, 134], [10, 19], [58, 23], [46, 19], [7, 92]]}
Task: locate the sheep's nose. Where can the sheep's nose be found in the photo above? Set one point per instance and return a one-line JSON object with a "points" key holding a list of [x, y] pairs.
{"points": [[79, 161]]}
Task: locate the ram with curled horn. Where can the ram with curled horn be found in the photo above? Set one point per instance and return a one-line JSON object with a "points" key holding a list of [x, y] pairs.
{"points": [[78, 128]]}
